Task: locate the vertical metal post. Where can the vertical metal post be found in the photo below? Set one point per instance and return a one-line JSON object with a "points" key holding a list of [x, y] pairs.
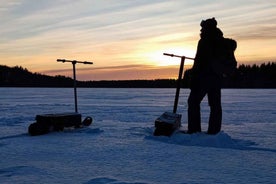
{"points": [[178, 84], [179, 78], [75, 85]]}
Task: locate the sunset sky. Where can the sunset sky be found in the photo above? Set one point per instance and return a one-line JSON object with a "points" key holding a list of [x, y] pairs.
{"points": [[125, 39]]}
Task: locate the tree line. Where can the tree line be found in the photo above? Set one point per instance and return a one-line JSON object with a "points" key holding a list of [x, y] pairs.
{"points": [[246, 76]]}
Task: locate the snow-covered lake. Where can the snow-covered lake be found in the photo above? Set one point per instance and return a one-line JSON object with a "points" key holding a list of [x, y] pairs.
{"points": [[119, 146]]}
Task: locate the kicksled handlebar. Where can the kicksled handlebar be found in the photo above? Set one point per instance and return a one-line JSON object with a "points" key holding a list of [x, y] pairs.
{"points": [[74, 61], [173, 55]]}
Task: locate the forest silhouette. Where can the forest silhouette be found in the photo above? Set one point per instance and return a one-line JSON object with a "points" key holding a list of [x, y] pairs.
{"points": [[246, 76]]}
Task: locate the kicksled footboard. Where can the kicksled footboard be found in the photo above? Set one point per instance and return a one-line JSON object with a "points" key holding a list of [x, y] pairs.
{"points": [[46, 123], [167, 123]]}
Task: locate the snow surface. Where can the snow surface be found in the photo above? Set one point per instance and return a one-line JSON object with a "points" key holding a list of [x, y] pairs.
{"points": [[119, 146]]}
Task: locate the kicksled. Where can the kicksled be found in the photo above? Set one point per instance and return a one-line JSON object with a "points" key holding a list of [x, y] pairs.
{"points": [[46, 123], [169, 122]]}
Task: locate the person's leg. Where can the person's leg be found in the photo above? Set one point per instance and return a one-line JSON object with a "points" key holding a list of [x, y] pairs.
{"points": [[214, 99], [194, 118]]}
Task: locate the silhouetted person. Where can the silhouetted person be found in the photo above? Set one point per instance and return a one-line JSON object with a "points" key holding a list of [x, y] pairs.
{"points": [[205, 79]]}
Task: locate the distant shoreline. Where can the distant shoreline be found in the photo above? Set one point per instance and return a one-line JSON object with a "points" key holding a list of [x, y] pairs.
{"points": [[69, 87], [246, 77]]}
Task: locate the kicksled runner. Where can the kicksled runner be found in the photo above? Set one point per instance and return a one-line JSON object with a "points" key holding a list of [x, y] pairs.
{"points": [[46, 123], [168, 122]]}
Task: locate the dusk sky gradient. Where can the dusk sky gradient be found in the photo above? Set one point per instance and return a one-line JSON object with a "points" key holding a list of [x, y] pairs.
{"points": [[126, 38]]}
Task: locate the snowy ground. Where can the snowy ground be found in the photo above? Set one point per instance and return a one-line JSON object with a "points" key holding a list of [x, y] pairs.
{"points": [[119, 146]]}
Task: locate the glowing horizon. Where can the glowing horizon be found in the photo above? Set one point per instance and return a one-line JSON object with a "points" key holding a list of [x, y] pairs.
{"points": [[127, 39]]}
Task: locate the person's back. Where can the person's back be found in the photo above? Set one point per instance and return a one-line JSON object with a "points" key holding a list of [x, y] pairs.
{"points": [[224, 61]]}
